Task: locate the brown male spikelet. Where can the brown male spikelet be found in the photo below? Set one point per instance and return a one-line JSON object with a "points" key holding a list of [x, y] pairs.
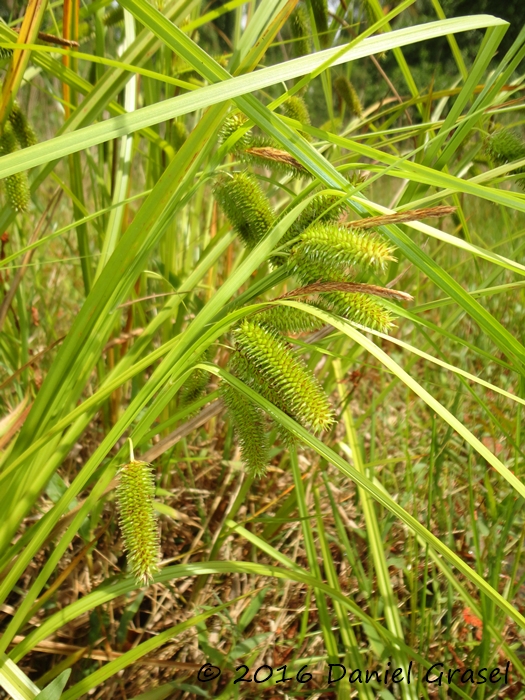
{"points": [[135, 492]]}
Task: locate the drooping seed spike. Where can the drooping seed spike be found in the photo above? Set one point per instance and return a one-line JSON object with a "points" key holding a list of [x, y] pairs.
{"points": [[320, 12], [288, 319], [364, 309], [323, 208], [135, 494], [230, 125], [289, 376], [194, 387], [241, 367], [348, 94], [295, 108], [22, 130], [113, 17], [301, 32], [249, 424], [246, 206], [196, 383], [505, 146]]}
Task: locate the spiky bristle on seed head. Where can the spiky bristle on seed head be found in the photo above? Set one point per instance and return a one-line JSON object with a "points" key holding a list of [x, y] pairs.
{"points": [[230, 125]]}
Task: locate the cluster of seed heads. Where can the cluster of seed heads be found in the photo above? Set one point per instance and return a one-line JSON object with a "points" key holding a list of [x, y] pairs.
{"points": [[318, 251]]}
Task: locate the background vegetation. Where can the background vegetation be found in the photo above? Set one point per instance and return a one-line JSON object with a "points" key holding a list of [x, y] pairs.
{"points": [[394, 535]]}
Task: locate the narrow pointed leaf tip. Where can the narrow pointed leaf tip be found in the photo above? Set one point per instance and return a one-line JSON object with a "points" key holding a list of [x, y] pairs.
{"points": [[135, 493]]}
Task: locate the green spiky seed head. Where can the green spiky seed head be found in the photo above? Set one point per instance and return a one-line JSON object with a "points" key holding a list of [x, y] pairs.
{"points": [[8, 143], [249, 424], [361, 308], [17, 190], [113, 17], [295, 108], [5, 53], [241, 367], [230, 126], [505, 146], [322, 208], [179, 134], [320, 12], [194, 387], [348, 94], [135, 493], [301, 32], [250, 374], [273, 158], [17, 185], [196, 383], [289, 376], [327, 251], [288, 319], [23, 132], [246, 206]]}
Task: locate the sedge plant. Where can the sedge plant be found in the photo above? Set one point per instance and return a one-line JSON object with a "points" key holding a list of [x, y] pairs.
{"points": [[303, 307]]}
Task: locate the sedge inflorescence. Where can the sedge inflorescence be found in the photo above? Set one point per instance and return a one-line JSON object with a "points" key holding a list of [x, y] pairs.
{"points": [[321, 253], [328, 251], [135, 493], [506, 146], [301, 32], [348, 94], [261, 150], [15, 133], [272, 357], [245, 205]]}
